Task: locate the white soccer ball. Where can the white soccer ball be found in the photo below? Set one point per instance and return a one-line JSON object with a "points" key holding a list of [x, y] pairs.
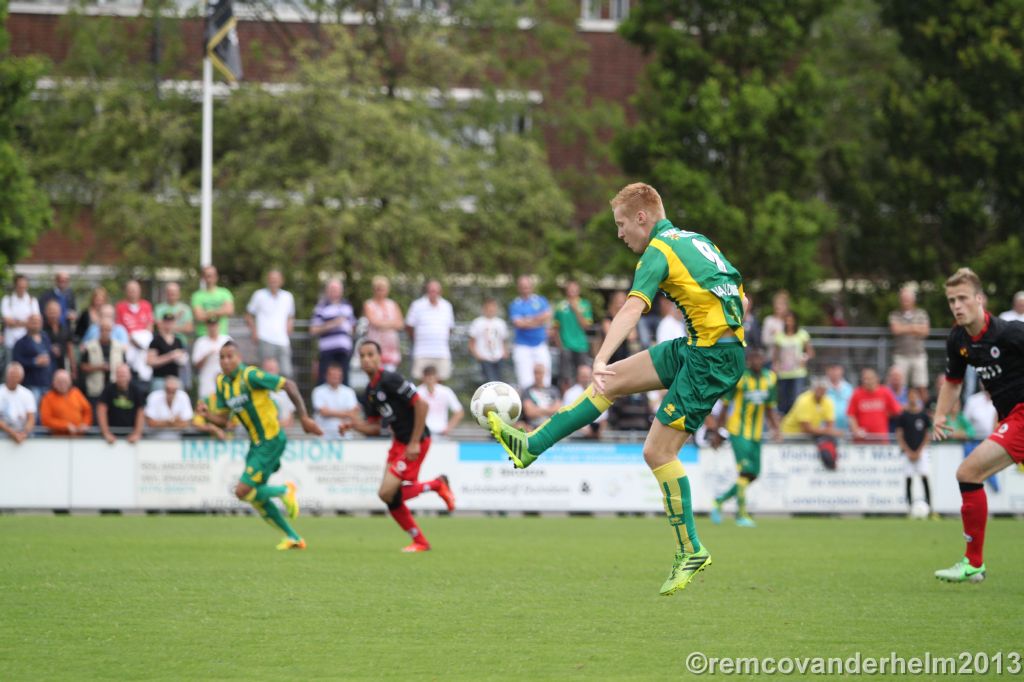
{"points": [[497, 397], [920, 509]]}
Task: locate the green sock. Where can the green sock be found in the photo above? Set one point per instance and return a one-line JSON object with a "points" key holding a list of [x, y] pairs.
{"points": [[568, 420], [265, 492], [727, 494], [269, 511], [741, 496], [675, 486]]}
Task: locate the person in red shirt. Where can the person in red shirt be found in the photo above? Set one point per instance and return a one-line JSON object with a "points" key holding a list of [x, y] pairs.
{"points": [[870, 409], [134, 312]]}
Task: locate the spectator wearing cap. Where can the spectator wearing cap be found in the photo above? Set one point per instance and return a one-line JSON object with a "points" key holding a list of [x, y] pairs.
{"points": [[1016, 313], [64, 296], [168, 408], [270, 316], [205, 355], [167, 354], [16, 307], [17, 405], [333, 323]]}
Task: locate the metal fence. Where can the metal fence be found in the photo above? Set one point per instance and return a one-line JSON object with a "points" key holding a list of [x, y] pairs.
{"points": [[853, 347]]}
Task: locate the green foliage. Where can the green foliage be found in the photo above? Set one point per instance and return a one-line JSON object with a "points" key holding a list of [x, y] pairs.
{"points": [[954, 129], [730, 131], [24, 210], [363, 160]]}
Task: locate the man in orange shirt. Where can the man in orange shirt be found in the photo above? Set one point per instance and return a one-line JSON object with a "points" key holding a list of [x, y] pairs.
{"points": [[64, 410]]}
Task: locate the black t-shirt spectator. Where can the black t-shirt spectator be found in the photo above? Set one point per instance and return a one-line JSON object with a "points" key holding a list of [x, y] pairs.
{"points": [[915, 427], [160, 345], [122, 405], [59, 339]]}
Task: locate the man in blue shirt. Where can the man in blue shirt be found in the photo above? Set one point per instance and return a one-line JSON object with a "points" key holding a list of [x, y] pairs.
{"points": [[530, 315], [839, 390]]}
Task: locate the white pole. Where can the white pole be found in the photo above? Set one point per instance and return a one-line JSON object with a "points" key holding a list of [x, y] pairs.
{"points": [[206, 198]]}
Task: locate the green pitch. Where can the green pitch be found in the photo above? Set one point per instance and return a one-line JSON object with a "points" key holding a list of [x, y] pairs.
{"points": [[184, 598]]}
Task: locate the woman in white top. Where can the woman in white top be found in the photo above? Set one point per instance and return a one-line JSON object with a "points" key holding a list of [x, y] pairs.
{"points": [[386, 319]]}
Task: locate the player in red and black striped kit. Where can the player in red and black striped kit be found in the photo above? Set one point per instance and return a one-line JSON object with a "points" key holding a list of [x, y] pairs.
{"points": [[995, 348], [392, 402]]}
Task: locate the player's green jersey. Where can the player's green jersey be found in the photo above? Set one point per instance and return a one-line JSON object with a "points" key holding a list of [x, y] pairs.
{"points": [[754, 394], [246, 395], [695, 275]]}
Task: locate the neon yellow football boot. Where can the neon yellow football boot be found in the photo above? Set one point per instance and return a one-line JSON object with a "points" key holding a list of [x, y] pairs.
{"points": [[513, 440], [685, 567]]}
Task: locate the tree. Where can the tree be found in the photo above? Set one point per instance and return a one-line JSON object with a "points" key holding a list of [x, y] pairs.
{"points": [[954, 130], [24, 210], [358, 161], [730, 131]]}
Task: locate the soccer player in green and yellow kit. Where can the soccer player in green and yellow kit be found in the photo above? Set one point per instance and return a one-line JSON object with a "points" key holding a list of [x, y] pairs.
{"points": [[244, 392], [696, 370], [754, 400]]}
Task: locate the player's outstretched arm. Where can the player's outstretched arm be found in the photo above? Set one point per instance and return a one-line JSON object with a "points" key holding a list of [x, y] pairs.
{"points": [[623, 323], [308, 425]]}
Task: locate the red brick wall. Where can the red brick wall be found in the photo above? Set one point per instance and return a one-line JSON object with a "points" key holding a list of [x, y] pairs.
{"points": [[615, 67]]}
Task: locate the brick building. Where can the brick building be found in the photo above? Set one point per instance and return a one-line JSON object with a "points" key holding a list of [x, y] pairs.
{"points": [[614, 67]]}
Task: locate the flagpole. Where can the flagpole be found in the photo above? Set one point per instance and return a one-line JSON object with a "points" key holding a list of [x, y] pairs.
{"points": [[206, 197]]}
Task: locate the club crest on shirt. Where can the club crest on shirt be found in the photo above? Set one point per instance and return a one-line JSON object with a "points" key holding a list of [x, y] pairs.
{"points": [[995, 352], [963, 352]]}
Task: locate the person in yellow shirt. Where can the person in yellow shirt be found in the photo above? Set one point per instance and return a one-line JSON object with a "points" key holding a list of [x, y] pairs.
{"points": [[813, 413]]}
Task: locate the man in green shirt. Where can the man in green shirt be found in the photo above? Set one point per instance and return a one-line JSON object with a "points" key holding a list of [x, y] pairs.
{"points": [[572, 318], [212, 301]]}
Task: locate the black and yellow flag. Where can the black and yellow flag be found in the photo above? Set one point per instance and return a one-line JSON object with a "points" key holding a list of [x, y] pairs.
{"points": [[222, 39]]}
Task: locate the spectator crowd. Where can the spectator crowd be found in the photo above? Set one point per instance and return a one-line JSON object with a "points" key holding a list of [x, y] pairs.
{"points": [[124, 368]]}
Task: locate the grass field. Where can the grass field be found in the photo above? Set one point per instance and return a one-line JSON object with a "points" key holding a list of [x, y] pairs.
{"points": [[197, 597]]}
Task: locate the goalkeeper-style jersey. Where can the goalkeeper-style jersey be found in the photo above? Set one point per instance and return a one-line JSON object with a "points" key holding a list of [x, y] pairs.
{"points": [[695, 275]]}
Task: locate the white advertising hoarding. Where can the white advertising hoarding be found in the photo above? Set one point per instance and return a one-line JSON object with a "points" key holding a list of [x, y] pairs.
{"points": [[573, 476]]}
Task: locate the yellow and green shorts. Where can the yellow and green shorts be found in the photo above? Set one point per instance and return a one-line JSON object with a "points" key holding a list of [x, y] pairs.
{"points": [[263, 459], [696, 377]]}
